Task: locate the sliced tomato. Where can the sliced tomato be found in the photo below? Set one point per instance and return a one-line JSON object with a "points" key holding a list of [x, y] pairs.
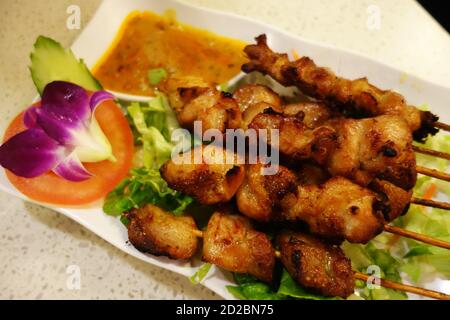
{"points": [[53, 189]]}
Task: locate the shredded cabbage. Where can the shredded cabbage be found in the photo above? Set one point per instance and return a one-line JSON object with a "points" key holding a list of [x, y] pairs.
{"points": [[152, 125], [415, 260]]}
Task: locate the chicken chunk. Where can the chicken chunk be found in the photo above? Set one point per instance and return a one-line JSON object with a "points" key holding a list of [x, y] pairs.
{"points": [[172, 87], [260, 194], [338, 209], [316, 265], [155, 231], [356, 97], [208, 173], [297, 142], [231, 243], [396, 200], [308, 174], [194, 100], [379, 147], [255, 109], [251, 94], [314, 113]]}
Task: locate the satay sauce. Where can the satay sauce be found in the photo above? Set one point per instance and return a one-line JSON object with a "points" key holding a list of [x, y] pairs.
{"points": [[148, 41]]}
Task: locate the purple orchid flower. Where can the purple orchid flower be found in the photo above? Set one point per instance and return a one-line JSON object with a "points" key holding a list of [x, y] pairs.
{"points": [[61, 134]]}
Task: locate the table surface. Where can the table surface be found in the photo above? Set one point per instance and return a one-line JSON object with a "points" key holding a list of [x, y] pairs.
{"points": [[39, 246]]}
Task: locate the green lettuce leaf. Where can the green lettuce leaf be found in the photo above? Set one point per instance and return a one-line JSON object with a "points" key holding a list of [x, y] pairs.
{"points": [[152, 125], [249, 288], [143, 187], [288, 287]]}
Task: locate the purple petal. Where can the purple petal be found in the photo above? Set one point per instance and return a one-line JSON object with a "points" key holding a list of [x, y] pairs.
{"points": [[72, 169], [30, 117], [65, 109], [31, 153], [98, 97]]}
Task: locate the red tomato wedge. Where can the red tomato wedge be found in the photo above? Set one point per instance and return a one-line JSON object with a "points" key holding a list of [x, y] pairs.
{"points": [[53, 189]]}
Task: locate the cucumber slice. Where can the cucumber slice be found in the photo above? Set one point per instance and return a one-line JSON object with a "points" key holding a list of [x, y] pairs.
{"points": [[51, 62]]}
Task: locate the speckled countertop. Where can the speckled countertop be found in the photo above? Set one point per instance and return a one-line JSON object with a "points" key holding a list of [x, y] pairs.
{"points": [[38, 245]]}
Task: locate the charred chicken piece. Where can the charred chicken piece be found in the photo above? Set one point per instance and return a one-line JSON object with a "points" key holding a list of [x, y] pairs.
{"points": [[254, 110], [155, 231], [260, 194], [210, 174], [231, 243], [379, 147], [296, 141], [393, 201], [194, 100], [336, 210], [396, 200], [357, 97], [315, 114], [250, 94], [316, 265], [312, 174]]}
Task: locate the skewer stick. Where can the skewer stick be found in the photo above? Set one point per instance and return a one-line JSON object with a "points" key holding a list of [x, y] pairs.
{"points": [[383, 282], [198, 233], [442, 126], [393, 230], [431, 203], [404, 287], [432, 152], [433, 173], [417, 236]]}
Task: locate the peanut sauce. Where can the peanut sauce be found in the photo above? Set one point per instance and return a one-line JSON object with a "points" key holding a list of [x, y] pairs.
{"points": [[147, 41]]}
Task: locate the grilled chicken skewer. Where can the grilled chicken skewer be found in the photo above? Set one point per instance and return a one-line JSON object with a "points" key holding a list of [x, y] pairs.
{"points": [[205, 174], [229, 240], [360, 150], [231, 243], [336, 209], [388, 133], [323, 267], [357, 97], [381, 146], [192, 99], [333, 208]]}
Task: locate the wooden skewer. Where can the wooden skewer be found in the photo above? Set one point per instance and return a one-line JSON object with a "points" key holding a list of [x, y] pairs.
{"points": [[404, 287], [442, 126], [398, 231], [431, 203], [383, 282], [394, 230], [432, 152], [433, 173], [198, 233], [417, 236]]}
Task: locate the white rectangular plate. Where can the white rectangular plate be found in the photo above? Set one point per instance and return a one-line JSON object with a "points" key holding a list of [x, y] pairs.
{"points": [[100, 32]]}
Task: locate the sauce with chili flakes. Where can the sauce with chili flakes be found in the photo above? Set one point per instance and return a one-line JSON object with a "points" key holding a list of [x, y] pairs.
{"points": [[148, 41]]}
